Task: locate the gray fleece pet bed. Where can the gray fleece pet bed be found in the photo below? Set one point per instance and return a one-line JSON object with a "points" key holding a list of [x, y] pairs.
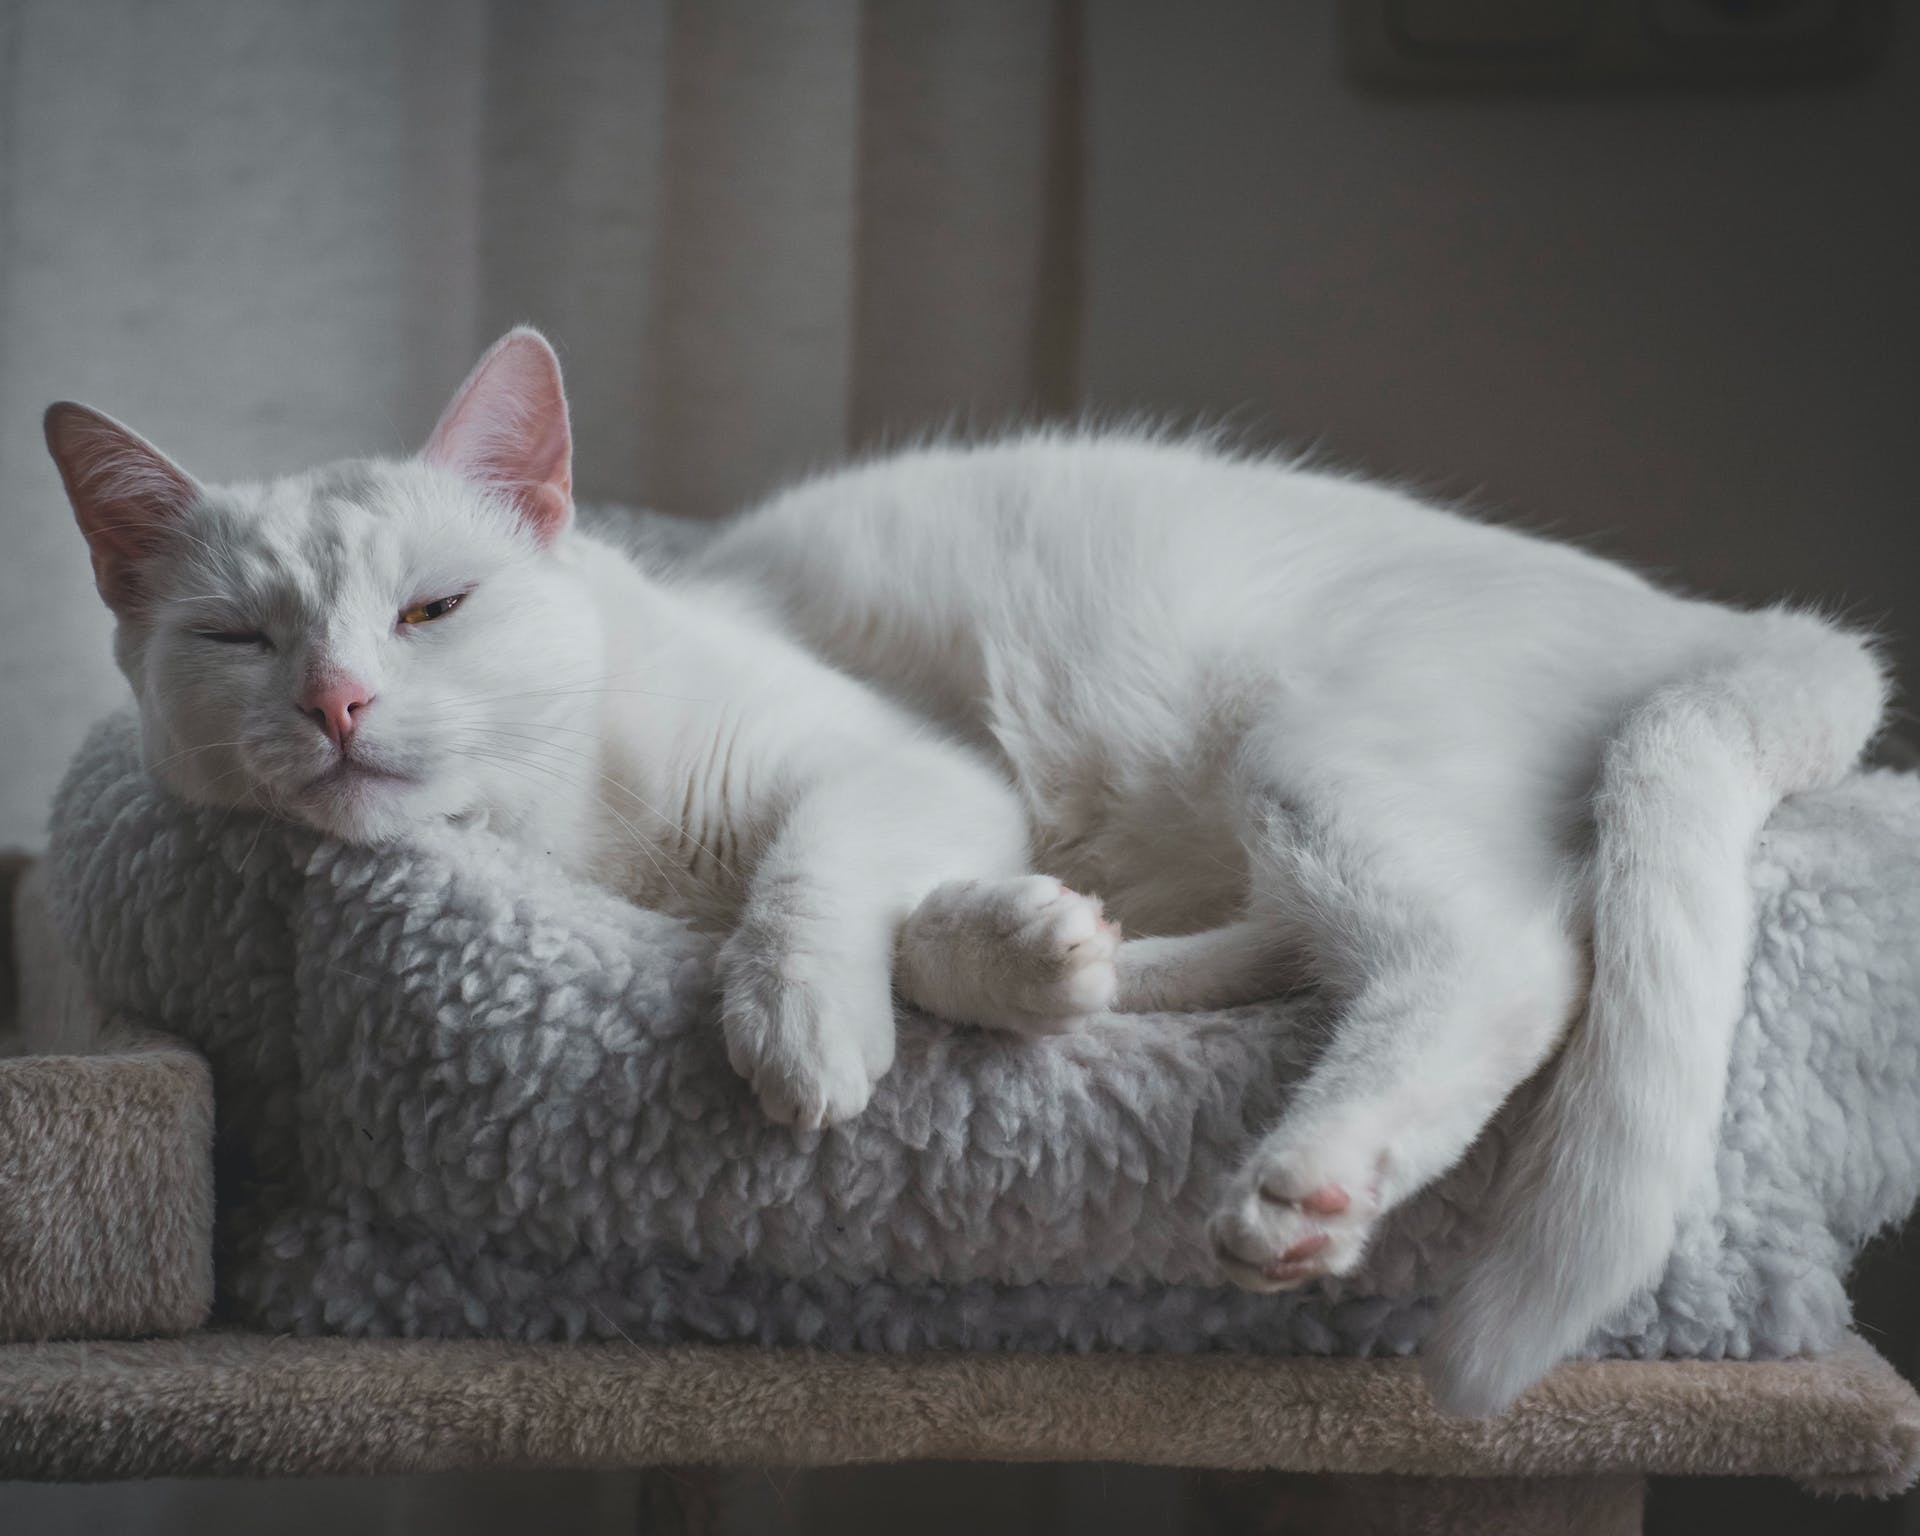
{"points": [[459, 1094]]}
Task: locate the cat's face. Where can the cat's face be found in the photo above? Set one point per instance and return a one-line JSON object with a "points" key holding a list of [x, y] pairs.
{"points": [[366, 648]]}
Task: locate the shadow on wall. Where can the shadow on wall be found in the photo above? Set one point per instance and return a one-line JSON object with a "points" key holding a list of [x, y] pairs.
{"points": [[1678, 326]]}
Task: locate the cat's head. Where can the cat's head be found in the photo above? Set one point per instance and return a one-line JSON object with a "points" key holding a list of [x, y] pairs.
{"points": [[366, 647]]}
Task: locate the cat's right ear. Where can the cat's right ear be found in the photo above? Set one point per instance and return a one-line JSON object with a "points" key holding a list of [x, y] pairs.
{"points": [[127, 496], [506, 429]]}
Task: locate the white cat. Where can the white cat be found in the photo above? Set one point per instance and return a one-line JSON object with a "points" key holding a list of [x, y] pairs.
{"points": [[1289, 726]]}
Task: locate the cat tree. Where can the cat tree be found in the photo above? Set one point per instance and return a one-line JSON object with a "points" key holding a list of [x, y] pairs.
{"points": [[111, 1370]]}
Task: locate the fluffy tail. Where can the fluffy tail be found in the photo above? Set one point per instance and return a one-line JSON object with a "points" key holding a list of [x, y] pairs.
{"points": [[1628, 1124]]}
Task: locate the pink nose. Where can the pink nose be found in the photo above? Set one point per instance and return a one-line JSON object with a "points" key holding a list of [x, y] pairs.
{"points": [[335, 706]]}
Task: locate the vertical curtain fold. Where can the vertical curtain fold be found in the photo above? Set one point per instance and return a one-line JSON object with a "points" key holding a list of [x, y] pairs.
{"points": [[752, 304], [570, 161], [956, 241]]}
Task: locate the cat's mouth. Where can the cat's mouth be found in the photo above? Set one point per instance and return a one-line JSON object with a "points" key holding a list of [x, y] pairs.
{"points": [[347, 774], [359, 797]]}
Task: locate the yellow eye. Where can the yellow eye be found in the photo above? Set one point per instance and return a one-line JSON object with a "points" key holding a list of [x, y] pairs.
{"points": [[426, 613]]}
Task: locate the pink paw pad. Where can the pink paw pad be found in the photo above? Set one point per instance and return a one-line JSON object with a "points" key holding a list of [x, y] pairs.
{"points": [[1328, 1200], [1306, 1248]]}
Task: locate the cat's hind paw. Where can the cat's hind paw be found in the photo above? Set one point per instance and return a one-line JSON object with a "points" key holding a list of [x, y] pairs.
{"points": [[1291, 1219]]}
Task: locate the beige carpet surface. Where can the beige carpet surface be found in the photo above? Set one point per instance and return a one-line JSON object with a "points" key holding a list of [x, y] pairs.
{"points": [[220, 1403]]}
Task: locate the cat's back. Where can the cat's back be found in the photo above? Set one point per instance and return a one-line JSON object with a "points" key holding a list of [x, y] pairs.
{"points": [[1115, 619], [946, 524], [939, 572], [935, 571]]}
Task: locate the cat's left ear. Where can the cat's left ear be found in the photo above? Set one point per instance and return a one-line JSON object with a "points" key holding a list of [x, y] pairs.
{"points": [[506, 429]]}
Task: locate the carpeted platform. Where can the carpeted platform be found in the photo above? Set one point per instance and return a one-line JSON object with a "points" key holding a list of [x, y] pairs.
{"points": [[226, 1403], [1572, 1455]]}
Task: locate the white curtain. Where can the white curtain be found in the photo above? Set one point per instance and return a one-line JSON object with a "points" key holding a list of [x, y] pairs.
{"points": [[270, 234]]}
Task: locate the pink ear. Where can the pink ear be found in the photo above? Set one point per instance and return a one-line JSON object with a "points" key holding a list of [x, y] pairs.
{"points": [[507, 429], [127, 495]]}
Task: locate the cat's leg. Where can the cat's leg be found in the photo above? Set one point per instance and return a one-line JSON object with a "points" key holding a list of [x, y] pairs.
{"points": [[1446, 960], [1248, 961], [1032, 956], [807, 976]]}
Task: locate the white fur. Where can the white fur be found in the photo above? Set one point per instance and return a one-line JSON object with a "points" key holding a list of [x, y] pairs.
{"points": [[1287, 726]]}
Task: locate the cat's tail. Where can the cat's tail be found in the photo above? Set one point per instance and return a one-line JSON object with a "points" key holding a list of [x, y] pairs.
{"points": [[1628, 1122]]}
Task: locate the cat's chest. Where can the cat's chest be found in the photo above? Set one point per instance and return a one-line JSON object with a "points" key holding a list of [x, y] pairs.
{"points": [[680, 830]]}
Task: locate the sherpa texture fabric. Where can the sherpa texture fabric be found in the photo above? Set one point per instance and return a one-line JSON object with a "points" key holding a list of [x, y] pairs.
{"points": [[462, 1095], [219, 1403]]}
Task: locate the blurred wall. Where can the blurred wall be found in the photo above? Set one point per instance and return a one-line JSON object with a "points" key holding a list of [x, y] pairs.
{"points": [[1680, 327]]}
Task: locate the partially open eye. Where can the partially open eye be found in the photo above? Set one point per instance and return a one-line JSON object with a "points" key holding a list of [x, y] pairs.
{"points": [[235, 637], [426, 613]]}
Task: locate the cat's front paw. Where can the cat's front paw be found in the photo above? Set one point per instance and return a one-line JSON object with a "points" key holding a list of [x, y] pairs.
{"points": [[1059, 954], [810, 1029], [1027, 955]]}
